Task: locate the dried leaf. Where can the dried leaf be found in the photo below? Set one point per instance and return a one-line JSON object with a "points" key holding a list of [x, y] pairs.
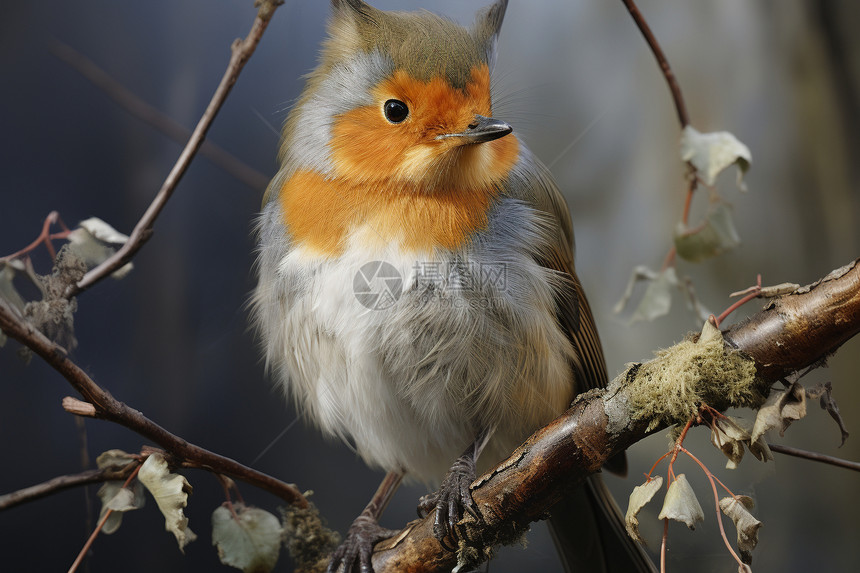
{"points": [[119, 500], [657, 299], [640, 273], [103, 232], [729, 437], [95, 241], [781, 409], [7, 287], [171, 494], [639, 497], [114, 459], [711, 153], [738, 510], [715, 236], [760, 449], [681, 503], [252, 543], [825, 399]]}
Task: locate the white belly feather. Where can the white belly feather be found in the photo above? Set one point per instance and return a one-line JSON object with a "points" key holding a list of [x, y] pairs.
{"points": [[470, 341]]}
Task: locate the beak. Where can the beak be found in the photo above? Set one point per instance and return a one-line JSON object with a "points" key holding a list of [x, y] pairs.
{"points": [[481, 130]]}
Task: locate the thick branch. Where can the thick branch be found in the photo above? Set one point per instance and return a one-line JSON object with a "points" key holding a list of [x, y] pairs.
{"points": [[795, 331], [109, 408], [241, 52], [814, 321]]}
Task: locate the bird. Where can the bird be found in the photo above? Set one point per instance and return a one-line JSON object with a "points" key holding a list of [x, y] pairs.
{"points": [[416, 291]]}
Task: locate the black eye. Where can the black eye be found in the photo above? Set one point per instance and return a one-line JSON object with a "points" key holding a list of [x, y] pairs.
{"points": [[395, 110]]}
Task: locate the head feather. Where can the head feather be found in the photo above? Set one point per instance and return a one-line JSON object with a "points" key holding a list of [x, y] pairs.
{"points": [[421, 43]]}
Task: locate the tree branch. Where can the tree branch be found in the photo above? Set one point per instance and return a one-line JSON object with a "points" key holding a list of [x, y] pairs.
{"points": [[61, 483], [109, 408], [241, 52], [814, 321]]}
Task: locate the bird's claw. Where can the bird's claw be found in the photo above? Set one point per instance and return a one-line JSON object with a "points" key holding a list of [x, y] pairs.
{"points": [[452, 501], [357, 549]]}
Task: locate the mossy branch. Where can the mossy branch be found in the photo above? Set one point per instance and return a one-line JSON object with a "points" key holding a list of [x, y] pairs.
{"points": [[736, 369]]}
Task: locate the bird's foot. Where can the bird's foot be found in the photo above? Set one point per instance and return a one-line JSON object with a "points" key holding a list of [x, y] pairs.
{"points": [[356, 550], [452, 501]]}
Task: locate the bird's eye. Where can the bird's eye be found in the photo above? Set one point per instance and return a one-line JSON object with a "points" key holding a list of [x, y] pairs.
{"points": [[395, 110]]}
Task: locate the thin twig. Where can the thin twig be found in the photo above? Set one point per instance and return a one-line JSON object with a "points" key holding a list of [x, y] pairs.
{"points": [[755, 292], [815, 457], [109, 408], [44, 237], [101, 524], [680, 106], [241, 50], [61, 483], [717, 504], [663, 544], [160, 121]]}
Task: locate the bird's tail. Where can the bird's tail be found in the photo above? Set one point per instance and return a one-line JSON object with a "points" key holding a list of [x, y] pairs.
{"points": [[588, 530]]}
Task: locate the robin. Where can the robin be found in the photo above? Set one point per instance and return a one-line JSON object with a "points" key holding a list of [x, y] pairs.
{"points": [[417, 293]]}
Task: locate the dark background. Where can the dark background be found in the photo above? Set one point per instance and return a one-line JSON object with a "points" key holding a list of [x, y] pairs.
{"points": [[172, 338]]}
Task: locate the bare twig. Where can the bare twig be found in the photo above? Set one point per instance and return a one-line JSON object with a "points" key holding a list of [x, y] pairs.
{"points": [[109, 408], [680, 106], [45, 237], [815, 457], [160, 121], [61, 483], [82, 553], [241, 51], [711, 479]]}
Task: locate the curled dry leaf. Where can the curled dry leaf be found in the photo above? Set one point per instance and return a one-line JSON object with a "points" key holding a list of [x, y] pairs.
{"points": [[738, 510], [95, 241], [681, 503], [171, 494], [251, 543], [730, 434], [114, 459], [729, 437], [823, 392], [639, 498], [781, 409], [711, 153], [713, 237], [119, 500]]}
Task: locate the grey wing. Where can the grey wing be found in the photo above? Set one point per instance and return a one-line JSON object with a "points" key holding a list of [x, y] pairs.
{"points": [[532, 183]]}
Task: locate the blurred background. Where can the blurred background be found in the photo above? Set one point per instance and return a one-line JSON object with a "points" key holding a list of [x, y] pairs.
{"points": [[172, 338]]}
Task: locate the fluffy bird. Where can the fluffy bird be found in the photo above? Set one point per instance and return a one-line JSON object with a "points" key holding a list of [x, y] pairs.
{"points": [[417, 293]]}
